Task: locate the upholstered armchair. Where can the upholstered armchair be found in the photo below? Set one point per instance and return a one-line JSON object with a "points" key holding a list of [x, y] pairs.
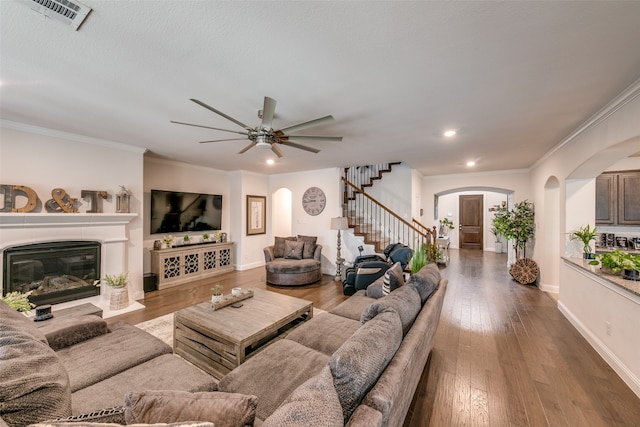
{"points": [[293, 261]]}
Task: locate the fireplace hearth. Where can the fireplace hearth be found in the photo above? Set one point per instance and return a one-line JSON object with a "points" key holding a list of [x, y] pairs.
{"points": [[54, 272]]}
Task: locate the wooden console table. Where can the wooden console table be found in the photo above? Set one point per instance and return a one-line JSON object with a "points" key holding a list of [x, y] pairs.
{"points": [[181, 264], [218, 341]]}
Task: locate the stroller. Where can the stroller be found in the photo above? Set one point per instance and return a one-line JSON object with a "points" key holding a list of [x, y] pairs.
{"points": [[367, 268]]}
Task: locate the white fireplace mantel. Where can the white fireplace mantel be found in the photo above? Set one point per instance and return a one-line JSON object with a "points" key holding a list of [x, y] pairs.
{"points": [[110, 229]]}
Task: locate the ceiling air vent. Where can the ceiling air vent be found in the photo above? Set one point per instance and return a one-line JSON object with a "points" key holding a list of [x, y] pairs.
{"points": [[70, 12]]}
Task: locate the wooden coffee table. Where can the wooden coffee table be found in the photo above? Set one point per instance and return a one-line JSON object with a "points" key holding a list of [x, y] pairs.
{"points": [[218, 341]]}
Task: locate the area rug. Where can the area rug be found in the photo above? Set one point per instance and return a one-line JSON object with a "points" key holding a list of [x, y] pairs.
{"points": [[162, 327]]}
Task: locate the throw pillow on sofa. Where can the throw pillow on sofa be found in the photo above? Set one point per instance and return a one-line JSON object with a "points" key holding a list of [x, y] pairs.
{"points": [[293, 250], [309, 245], [359, 362], [34, 385], [168, 406], [405, 301], [425, 281], [313, 403], [278, 247], [393, 278]]}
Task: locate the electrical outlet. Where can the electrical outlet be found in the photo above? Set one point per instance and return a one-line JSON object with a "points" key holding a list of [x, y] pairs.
{"points": [[608, 325]]}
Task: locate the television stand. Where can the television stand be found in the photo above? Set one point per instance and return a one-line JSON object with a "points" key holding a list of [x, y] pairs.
{"points": [[182, 264]]}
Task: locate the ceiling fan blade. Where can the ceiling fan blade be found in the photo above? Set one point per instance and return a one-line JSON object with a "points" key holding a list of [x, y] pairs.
{"points": [[302, 147], [245, 149], [220, 140], [209, 127], [276, 150], [315, 138], [268, 111], [308, 124], [220, 113]]}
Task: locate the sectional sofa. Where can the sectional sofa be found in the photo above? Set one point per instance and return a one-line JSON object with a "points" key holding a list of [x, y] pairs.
{"points": [[357, 365]]}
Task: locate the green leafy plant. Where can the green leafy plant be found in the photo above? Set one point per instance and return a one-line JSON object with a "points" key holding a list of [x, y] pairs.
{"points": [[446, 223], [217, 289], [186, 238], [585, 235], [18, 301], [615, 260], [205, 236], [501, 223], [419, 259], [116, 280], [522, 226]]}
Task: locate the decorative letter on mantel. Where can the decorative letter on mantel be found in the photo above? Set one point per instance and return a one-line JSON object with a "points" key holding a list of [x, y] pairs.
{"points": [[10, 193], [94, 201], [61, 202]]}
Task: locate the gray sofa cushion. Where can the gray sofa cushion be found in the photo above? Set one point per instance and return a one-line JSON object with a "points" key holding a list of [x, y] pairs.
{"points": [[325, 332], [167, 372], [405, 301], [309, 245], [170, 406], [34, 385], [314, 403], [285, 265], [425, 281], [278, 247], [293, 250], [101, 357], [358, 363], [353, 307], [68, 331], [392, 279], [285, 363]]}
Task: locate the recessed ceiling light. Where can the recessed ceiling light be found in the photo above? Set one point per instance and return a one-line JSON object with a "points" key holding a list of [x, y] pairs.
{"points": [[449, 133], [270, 161], [471, 163]]}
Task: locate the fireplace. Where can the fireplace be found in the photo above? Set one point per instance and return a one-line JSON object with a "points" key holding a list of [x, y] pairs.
{"points": [[55, 272]]}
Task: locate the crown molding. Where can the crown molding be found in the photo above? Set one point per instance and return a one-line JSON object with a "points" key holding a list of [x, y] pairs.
{"points": [[627, 95], [69, 136]]}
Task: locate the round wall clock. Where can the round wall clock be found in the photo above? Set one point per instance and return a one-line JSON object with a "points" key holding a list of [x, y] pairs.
{"points": [[314, 201]]}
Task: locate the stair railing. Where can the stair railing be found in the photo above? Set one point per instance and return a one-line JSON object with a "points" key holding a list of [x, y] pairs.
{"points": [[380, 225]]}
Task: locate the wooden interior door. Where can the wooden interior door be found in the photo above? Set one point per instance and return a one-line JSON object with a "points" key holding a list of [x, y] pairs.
{"points": [[471, 222]]}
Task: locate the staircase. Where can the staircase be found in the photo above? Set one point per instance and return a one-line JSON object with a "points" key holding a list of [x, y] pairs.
{"points": [[370, 219]]}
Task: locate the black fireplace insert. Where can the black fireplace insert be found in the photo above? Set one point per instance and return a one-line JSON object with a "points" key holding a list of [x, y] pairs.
{"points": [[54, 272]]}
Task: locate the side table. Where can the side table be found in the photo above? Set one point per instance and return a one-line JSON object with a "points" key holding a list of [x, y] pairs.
{"points": [[442, 243]]}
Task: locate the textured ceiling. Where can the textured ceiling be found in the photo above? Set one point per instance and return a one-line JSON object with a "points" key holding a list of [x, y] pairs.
{"points": [[514, 78]]}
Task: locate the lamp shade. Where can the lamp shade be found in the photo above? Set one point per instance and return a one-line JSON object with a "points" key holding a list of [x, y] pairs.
{"points": [[339, 223]]}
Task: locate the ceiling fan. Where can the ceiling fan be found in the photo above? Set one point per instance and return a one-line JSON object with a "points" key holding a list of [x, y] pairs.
{"points": [[264, 135]]}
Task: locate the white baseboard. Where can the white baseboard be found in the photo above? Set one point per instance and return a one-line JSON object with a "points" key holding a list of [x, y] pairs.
{"points": [[616, 364], [242, 267], [554, 289]]}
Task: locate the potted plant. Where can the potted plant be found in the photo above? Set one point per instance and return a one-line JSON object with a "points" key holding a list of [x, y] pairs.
{"points": [[216, 293], [18, 301], [612, 261], [445, 226], [585, 235], [168, 241], [119, 297], [205, 237], [497, 243], [631, 266], [501, 225], [186, 239]]}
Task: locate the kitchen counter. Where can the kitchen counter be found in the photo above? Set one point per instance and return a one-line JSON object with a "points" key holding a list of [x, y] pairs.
{"points": [[629, 285]]}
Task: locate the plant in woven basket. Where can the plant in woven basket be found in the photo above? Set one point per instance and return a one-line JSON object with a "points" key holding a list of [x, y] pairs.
{"points": [[18, 301], [116, 280]]}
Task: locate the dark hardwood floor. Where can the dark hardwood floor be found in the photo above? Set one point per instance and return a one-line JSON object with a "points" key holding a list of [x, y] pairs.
{"points": [[504, 355]]}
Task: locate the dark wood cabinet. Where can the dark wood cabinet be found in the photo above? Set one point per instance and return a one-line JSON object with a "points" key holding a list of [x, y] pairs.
{"points": [[606, 186], [618, 198], [629, 198]]}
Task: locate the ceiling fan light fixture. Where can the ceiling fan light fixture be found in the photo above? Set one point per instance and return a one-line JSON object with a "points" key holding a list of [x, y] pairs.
{"points": [[261, 141]]}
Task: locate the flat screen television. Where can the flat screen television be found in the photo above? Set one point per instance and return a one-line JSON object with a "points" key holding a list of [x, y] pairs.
{"points": [[177, 211]]}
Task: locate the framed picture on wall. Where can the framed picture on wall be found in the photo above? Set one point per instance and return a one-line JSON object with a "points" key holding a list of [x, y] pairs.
{"points": [[256, 215]]}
